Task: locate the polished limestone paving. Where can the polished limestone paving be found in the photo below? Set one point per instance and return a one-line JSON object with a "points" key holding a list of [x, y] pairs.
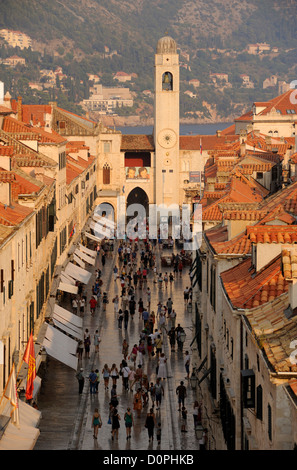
{"points": [[66, 422]]}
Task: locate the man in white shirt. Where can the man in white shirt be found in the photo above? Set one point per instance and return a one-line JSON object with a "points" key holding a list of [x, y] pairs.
{"points": [[125, 374]]}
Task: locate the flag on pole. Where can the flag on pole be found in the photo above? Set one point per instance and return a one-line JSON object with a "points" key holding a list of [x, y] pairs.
{"points": [[200, 146], [29, 358], [12, 396]]}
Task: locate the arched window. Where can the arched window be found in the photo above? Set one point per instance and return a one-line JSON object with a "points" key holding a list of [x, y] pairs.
{"points": [[106, 174], [167, 81]]}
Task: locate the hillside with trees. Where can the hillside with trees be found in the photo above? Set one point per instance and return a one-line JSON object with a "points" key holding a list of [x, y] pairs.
{"points": [[103, 37]]}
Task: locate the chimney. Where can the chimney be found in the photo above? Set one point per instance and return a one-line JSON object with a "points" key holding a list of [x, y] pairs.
{"points": [[19, 108], [219, 132], [5, 189]]}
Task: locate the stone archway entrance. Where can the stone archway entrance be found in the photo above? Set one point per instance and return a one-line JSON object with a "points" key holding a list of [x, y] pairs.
{"points": [[138, 196]]}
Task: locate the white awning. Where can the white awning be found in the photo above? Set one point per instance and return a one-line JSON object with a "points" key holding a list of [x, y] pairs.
{"points": [[62, 313], [72, 331], [88, 251], [28, 415], [103, 221], [68, 288], [60, 346], [78, 273], [101, 231], [78, 261], [92, 237], [85, 257], [19, 438], [67, 279]]}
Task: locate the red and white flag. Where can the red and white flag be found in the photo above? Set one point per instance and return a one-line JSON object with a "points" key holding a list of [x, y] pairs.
{"points": [[12, 396], [29, 358]]}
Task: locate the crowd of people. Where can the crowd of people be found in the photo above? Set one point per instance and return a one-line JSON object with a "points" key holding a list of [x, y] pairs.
{"points": [[134, 271]]}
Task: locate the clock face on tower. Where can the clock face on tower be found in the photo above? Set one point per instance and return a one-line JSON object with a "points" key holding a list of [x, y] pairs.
{"points": [[167, 138]]}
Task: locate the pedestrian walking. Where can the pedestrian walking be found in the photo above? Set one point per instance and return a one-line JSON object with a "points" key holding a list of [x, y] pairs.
{"points": [[114, 374], [96, 341], [159, 390], [104, 301], [87, 343], [114, 396], [80, 349], [96, 422], [74, 306], [150, 424], [92, 381], [137, 401], [125, 349], [126, 319], [131, 378], [115, 424], [105, 375], [196, 413], [116, 302], [181, 392], [162, 371], [129, 422], [81, 380], [125, 374], [93, 304], [158, 344], [133, 354], [120, 319], [187, 364], [172, 338], [152, 392]]}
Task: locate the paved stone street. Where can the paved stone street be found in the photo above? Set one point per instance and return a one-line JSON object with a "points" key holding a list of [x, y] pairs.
{"points": [[67, 416]]}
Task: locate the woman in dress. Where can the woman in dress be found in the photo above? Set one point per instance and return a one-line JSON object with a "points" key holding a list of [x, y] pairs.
{"points": [[115, 424], [105, 374], [125, 349], [96, 422], [137, 401], [162, 372]]}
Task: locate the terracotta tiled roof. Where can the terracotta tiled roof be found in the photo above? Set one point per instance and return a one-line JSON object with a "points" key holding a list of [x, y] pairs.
{"points": [[275, 332], [136, 143], [239, 245], [272, 233], [5, 111], [35, 113], [14, 214], [26, 132], [246, 290], [289, 262], [208, 142]]}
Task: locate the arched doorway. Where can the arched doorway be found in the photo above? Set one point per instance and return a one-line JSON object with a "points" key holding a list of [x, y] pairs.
{"points": [[138, 196], [137, 210]]}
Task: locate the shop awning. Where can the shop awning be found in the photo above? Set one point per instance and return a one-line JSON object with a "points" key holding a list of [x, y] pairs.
{"points": [[79, 261], [68, 322], [88, 251], [92, 237], [24, 436], [60, 346], [101, 230], [68, 288], [62, 314], [67, 279], [104, 222], [78, 273], [85, 257]]}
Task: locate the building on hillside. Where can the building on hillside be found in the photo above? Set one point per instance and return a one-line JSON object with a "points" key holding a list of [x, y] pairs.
{"points": [[14, 60], [16, 38], [276, 117]]}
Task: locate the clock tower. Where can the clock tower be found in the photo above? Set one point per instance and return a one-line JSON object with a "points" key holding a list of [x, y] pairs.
{"points": [[166, 122]]}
